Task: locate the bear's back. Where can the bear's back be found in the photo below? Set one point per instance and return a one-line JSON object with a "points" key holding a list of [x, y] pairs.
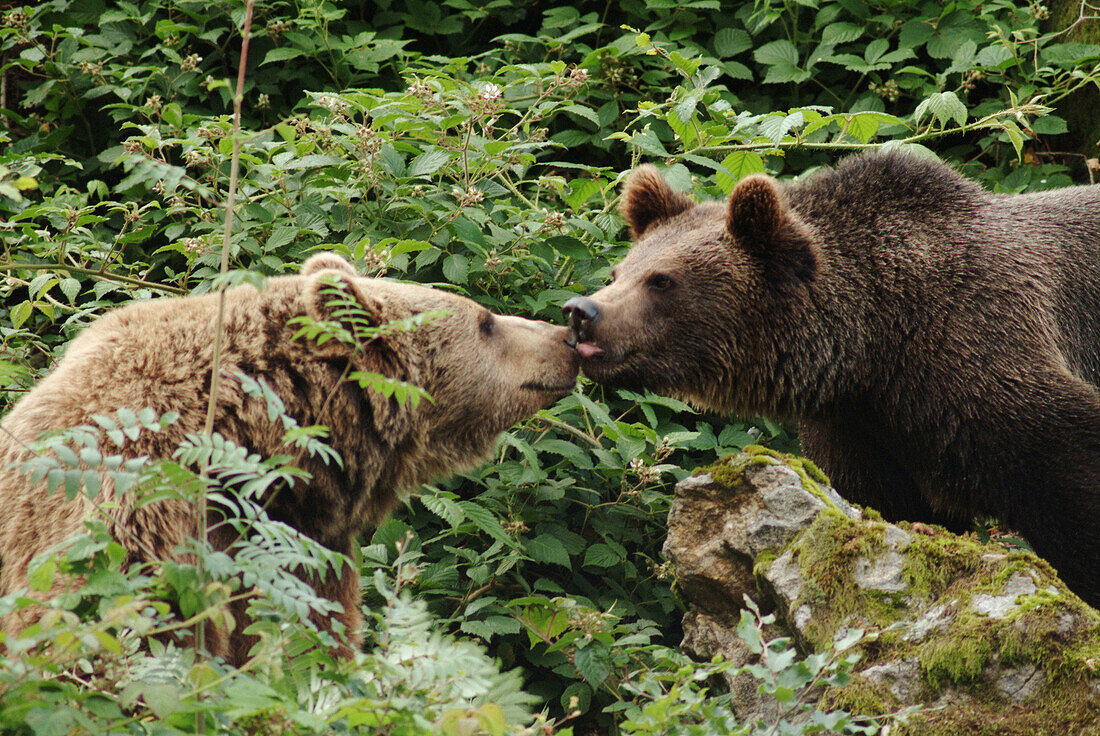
{"points": [[911, 231]]}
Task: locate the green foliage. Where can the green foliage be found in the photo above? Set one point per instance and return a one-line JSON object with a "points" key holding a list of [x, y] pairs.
{"points": [[671, 694], [470, 146]]}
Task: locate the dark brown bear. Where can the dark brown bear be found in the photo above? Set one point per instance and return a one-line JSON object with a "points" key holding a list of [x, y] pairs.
{"points": [[483, 372], [939, 346]]}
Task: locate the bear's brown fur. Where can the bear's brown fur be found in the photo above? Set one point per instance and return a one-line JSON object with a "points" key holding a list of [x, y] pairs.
{"points": [[938, 345], [483, 373]]}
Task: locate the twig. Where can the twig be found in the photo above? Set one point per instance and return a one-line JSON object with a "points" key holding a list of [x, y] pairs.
{"points": [[95, 273], [553, 422]]}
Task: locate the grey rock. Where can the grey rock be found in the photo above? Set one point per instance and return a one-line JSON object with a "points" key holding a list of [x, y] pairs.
{"points": [[998, 606], [934, 620], [785, 577], [1018, 684], [902, 678], [915, 645]]}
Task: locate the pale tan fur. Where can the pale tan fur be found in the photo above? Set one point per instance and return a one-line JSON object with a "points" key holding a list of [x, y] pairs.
{"points": [[483, 372]]}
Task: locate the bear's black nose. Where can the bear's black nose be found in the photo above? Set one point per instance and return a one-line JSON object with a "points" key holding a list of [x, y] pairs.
{"points": [[582, 313]]}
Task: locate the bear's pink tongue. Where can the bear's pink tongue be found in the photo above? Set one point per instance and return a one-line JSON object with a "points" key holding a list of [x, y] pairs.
{"points": [[588, 349]]}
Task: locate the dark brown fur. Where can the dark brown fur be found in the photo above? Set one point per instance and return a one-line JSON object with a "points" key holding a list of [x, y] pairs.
{"points": [[483, 372], [938, 345]]}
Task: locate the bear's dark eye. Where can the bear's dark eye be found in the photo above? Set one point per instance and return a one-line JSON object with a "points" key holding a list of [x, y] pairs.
{"points": [[488, 324], [659, 282]]}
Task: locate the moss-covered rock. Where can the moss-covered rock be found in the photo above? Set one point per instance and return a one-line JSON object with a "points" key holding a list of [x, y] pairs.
{"points": [[991, 637]]}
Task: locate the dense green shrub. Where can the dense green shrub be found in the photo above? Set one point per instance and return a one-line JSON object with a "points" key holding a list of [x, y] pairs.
{"points": [[477, 146]]}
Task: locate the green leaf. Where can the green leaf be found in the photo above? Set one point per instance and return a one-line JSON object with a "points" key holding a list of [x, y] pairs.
{"points": [[585, 112], [162, 698], [687, 66], [20, 314], [784, 72], [993, 56], [280, 236], [281, 54], [944, 106], [445, 508], [547, 548], [648, 142], [864, 125], [486, 521], [428, 163], [593, 662], [739, 164], [41, 577], [731, 41], [602, 555], [313, 161], [777, 52], [1049, 125], [1015, 136], [456, 268], [838, 33]]}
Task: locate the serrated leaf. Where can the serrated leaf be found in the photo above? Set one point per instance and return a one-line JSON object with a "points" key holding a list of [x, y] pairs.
{"points": [[428, 163], [731, 41], [944, 106], [486, 521], [456, 268], [585, 112], [20, 314], [739, 164], [547, 548], [774, 127], [570, 450], [1015, 136], [875, 49], [162, 698], [784, 72], [686, 108], [70, 287], [687, 66], [602, 555], [41, 577], [777, 52], [648, 142], [444, 508], [864, 125], [280, 236], [838, 33], [593, 662], [281, 54], [1049, 125], [312, 161], [992, 56]]}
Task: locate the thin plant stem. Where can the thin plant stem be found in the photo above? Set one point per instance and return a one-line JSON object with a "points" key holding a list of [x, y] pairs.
{"points": [[8, 266], [215, 368]]}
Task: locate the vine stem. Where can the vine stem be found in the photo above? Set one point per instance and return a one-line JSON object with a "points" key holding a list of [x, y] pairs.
{"points": [[989, 121], [215, 367], [7, 266]]}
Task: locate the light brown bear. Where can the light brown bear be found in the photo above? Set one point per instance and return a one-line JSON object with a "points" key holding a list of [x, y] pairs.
{"points": [[483, 372], [938, 345]]}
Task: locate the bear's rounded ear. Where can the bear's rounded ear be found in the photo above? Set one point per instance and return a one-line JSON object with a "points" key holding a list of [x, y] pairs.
{"points": [[327, 260], [332, 295], [647, 199], [762, 223], [756, 210]]}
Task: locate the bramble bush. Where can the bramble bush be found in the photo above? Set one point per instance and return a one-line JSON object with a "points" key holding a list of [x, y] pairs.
{"points": [[475, 146]]}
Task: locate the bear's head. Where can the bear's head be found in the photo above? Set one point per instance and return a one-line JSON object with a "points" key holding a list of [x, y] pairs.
{"points": [[691, 310], [482, 372]]}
